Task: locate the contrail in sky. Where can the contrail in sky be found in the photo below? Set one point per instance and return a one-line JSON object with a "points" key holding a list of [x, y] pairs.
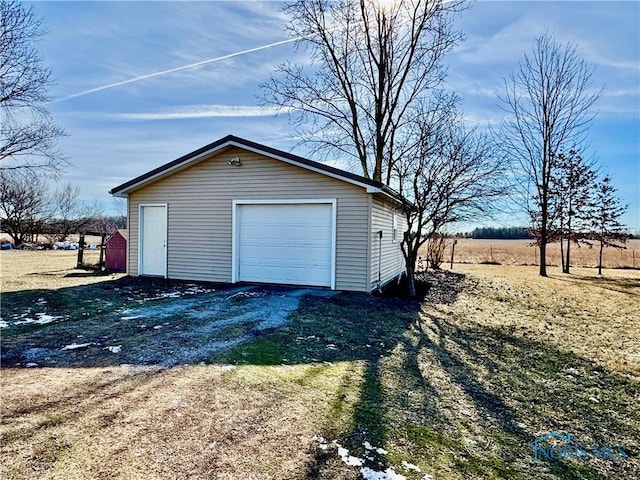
{"points": [[192, 65], [177, 69]]}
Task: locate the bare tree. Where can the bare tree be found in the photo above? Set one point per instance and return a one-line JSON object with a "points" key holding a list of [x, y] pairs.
{"points": [[436, 247], [28, 134], [120, 207], [372, 63], [550, 100], [605, 219], [374, 94], [452, 175], [69, 214], [23, 204]]}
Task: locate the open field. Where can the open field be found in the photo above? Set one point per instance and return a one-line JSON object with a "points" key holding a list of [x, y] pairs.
{"points": [[46, 269], [522, 252], [457, 386]]}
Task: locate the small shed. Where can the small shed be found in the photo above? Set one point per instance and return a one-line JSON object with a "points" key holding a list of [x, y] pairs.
{"points": [[116, 250]]}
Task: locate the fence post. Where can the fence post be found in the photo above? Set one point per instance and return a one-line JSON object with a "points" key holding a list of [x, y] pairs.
{"points": [[80, 250], [102, 247], [453, 247]]}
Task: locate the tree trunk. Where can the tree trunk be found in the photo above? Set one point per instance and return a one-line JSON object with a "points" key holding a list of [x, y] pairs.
{"points": [[562, 253], [543, 258], [600, 258], [543, 237], [411, 279], [410, 265], [565, 268]]}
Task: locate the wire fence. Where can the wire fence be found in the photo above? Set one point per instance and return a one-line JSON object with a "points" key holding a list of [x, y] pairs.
{"points": [[522, 252]]}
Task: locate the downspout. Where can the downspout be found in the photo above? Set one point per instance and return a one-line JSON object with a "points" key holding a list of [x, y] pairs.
{"points": [[379, 259]]}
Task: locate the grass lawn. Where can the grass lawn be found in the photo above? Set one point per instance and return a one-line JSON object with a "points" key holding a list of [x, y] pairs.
{"points": [[457, 386]]}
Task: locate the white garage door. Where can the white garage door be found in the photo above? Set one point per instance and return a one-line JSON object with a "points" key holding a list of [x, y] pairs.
{"points": [[285, 243]]}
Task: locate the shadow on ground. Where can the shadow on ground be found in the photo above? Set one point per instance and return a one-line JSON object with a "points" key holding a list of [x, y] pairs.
{"points": [[457, 399]]}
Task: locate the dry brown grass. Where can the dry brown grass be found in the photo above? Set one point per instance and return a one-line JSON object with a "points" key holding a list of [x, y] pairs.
{"points": [[197, 422], [45, 269], [521, 252], [458, 388], [596, 317]]}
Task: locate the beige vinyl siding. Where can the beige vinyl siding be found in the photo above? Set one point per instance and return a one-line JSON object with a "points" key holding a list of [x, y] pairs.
{"points": [[392, 260], [200, 199]]}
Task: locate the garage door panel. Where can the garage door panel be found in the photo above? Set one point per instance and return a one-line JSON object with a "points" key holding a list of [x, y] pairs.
{"points": [[293, 252], [285, 243]]}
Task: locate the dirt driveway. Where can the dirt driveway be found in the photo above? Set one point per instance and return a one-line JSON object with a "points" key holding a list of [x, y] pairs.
{"points": [[140, 322]]}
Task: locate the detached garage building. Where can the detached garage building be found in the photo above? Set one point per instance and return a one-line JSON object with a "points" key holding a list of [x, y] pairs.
{"points": [[237, 211]]}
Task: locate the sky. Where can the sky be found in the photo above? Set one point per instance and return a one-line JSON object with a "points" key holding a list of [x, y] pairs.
{"points": [[138, 84]]}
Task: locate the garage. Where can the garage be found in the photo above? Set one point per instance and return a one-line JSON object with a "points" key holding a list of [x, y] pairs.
{"points": [[238, 211], [285, 242]]}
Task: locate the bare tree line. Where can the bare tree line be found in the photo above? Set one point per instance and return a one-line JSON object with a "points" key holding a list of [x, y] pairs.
{"points": [[550, 103], [29, 209]]}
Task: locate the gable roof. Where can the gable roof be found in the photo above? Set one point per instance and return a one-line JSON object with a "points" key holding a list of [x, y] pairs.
{"points": [[180, 163]]}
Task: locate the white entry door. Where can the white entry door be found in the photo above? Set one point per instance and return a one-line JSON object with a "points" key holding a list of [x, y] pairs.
{"points": [[285, 243], [153, 240]]}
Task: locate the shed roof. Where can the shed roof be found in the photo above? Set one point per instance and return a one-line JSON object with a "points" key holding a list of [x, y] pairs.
{"points": [[232, 141], [120, 231]]}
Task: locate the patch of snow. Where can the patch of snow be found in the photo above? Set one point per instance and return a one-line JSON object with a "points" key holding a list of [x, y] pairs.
{"points": [[427, 477], [132, 317], [44, 318], [31, 364], [41, 319], [593, 399], [114, 348], [410, 466], [157, 327], [378, 450], [3, 324], [389, 474], [521, 425], [196, 289], [164, 295], [76, 346], [349, 459]]}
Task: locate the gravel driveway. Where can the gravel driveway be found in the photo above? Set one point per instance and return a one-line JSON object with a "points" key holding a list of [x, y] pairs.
{"points": [[140, 322]]}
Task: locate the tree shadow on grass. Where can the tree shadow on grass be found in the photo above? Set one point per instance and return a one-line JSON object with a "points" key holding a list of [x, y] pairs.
{"points": [[628, 286], [459, 399], [522, 388]]}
